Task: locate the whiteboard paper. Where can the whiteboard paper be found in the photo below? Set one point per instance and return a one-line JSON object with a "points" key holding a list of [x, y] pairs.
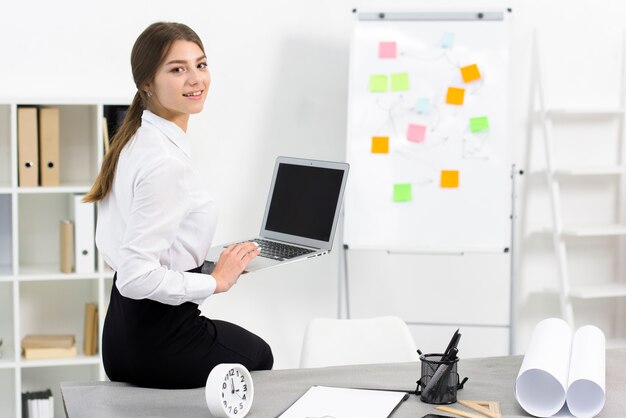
{"points": [[559, 367]]}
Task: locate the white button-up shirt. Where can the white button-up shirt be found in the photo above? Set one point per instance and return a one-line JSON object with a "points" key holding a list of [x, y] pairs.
{"points": [[157, 222]]}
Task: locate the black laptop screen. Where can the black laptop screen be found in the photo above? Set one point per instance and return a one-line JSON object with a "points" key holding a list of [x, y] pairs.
{"points": [[304, 201]]}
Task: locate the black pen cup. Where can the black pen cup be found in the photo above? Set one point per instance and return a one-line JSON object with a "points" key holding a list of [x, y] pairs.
{"points": [[439, 381]]}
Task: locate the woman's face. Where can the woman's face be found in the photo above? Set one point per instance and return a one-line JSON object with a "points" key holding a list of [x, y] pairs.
{"points": [[180, 84]]}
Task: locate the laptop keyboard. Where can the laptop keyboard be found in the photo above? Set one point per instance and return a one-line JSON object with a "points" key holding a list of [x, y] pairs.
{"points": [[278, 251]]}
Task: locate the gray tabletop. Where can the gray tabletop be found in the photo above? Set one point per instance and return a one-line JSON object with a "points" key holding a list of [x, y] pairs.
{"points": [[490, 379]]}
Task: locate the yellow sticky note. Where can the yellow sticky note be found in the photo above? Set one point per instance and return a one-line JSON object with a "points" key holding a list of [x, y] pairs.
{"points": [[399, 82], [380, 145], [379, 83], [450, 179], [470, 73], [455, 96]]}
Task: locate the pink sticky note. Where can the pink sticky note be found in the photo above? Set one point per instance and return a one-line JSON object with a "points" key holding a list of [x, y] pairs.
{"points": [[416, 133], [387, 50]]}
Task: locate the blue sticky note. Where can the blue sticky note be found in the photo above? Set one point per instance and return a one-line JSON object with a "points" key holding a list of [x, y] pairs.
{"points": [[447, 40], [422, 106]]}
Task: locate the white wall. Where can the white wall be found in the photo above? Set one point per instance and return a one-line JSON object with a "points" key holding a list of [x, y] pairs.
{"points": [[279, 72]]}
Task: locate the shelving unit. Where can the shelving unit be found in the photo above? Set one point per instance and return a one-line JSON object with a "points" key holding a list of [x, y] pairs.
{"points": [[597, 171], [35, 297]]}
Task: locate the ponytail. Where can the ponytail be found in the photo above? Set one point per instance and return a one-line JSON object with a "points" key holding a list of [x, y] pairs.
{"points": [[132, 122]]}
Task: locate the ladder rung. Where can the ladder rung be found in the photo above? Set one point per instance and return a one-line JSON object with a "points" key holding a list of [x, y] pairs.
{"points": [[584, 111], [597, 291], [591, 171], [615, 342], [594, 231]]}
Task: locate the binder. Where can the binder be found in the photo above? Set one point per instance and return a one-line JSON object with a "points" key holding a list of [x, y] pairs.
{"points": [[67, 246], [49, 146], [27, 147], [83, 216]]}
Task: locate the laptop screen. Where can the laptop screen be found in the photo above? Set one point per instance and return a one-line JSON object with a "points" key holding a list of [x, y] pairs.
{"points": [[304, 201]]}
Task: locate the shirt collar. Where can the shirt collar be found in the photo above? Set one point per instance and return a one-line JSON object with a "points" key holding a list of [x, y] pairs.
{"points": [[170, 130]]}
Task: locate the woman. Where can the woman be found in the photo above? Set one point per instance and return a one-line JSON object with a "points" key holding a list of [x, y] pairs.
{"points": [[155, 226]]}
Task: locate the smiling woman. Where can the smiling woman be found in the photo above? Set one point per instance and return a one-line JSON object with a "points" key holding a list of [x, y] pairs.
{"points": [[156, 224]]}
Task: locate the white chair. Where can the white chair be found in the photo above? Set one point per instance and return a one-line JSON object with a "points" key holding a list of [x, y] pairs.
{"points": [[335, 342]]}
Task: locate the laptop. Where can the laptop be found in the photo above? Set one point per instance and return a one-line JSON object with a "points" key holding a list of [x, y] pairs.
{"points": [[301, 213]]}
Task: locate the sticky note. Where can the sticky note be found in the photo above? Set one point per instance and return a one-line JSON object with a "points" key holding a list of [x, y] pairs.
{"points": [[380, 145], [470, 73], [422, 106], [449, 179], [416, 133], [455, 96], [399, 82], [447, 40], [387, 50], [402, 192], [479, 124], [379, 83]]}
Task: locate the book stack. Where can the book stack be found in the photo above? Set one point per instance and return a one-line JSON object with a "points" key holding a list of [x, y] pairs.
{"points": [[37, 347], [38, 404], [90, 346]]}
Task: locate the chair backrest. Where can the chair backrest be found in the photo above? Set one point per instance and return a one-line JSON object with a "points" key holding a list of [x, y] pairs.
{"points": [[334, 342]]}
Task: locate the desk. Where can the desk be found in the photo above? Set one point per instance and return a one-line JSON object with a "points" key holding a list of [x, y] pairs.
{"points": [[489, 379]]}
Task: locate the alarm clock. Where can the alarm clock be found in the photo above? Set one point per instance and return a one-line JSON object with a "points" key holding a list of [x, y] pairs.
{"points": [[229, 390]]}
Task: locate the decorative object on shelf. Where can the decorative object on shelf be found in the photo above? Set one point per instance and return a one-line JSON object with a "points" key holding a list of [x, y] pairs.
{"points": [[90, 346], [229, 390], [67, 246], [37, 347]]}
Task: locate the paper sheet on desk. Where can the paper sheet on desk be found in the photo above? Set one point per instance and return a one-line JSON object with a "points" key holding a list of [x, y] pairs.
{"points": [[559, 367], [323, 401]]}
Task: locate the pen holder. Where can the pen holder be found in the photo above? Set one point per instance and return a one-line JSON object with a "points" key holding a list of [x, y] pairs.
{"points": [[439, 381]]}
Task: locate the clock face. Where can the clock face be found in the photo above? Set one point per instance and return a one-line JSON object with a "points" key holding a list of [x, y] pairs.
{"points": [[236, 392]]}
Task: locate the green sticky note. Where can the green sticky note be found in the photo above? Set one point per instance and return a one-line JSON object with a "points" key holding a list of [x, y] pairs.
{"points": [[379, 83], [479, 124], [402, 192], [399, 82]]}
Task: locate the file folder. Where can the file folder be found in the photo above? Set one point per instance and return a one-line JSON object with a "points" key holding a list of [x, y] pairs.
{"points": [[49, 146], [27, 147], [83, 216]]}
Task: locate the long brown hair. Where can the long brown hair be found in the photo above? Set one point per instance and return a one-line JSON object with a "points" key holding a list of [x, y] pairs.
{"points": [[148, 53]]}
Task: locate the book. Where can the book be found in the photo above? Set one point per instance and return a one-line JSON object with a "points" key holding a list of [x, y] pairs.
{"points": [[561, 367], [90, 343], [105, 135], [39, 346], [38, 404]]}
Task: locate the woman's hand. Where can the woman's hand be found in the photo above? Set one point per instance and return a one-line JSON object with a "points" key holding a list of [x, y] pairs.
{"points": [[232, 262]]}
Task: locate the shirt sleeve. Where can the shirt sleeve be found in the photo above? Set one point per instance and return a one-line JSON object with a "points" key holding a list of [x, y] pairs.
{"points": [[160, 203]]}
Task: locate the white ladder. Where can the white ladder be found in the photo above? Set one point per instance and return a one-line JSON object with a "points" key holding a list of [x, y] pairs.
{"points": [[539, 112]]}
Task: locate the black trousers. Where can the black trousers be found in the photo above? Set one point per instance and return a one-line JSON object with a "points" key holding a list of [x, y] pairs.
{"points": [[151, 344]]}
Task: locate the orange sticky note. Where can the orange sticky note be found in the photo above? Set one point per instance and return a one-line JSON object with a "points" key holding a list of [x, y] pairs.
{"points": [[380, 145], [450, 179], [470, 73], [455, 96]]}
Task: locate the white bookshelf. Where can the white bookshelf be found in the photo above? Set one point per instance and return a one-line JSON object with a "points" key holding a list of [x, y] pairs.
{"points": [[35, 296]]}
